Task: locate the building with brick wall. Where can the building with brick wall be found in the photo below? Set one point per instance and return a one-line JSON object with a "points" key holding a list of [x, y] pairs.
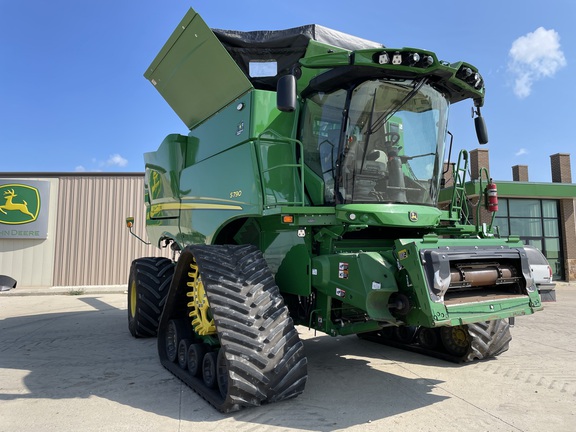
{"points": [[541, 214]]}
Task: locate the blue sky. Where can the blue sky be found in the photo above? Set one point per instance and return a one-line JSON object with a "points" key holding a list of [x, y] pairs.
{"points": [[73, 96]]}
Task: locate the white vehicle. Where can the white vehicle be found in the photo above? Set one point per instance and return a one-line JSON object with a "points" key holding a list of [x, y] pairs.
{"points": [[542, 273]]}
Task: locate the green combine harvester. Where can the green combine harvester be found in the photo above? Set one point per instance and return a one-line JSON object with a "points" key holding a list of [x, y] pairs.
{"points": [[306, 193]]}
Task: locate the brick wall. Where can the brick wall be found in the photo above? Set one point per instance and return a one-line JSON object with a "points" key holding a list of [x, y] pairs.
{"points": [[478, 159], [560, 166], [520, 173], [568, 222], [448, 174]]}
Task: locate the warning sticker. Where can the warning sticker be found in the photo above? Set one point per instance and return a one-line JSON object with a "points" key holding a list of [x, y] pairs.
{"points": [[403, 254], [343, 270]]}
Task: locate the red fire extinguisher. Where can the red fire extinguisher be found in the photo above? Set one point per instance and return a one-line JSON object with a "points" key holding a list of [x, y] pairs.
{"points": [[491, 197]]}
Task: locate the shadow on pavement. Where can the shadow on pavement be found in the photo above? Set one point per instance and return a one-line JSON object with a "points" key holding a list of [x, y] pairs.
{"points": [[91, 353]]}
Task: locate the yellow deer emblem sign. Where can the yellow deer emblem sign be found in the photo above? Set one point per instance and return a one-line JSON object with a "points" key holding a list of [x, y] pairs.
{"points": [[20, 212]]}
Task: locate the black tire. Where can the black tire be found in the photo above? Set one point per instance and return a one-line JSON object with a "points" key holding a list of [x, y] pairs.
{"points": [[148, 286], [488, 339], [183, 346], [196, 353], [209, 369], [263, 352]]}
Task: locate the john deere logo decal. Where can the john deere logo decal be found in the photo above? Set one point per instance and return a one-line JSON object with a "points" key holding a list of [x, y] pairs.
{"points": [[413, 216], [19, 204]]}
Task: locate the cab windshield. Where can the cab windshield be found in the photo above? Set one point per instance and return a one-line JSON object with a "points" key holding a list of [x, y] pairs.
{"points": [[379, 142]]}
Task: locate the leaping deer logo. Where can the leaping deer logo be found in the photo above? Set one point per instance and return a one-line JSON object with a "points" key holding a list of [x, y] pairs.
{"points": [[22, 207]]}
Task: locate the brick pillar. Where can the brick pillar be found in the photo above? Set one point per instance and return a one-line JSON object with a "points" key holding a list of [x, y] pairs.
{"points": [[478, 159], [561, 173], [560, 165], [520, 173], [568, 227], [448, 174]]}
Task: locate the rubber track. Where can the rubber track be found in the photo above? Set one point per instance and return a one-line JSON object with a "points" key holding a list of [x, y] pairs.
{"points": [[265, 356], [154, 275], [487, 339]]}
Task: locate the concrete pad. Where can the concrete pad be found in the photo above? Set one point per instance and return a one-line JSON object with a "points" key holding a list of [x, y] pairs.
{"points": [[68, 363]]}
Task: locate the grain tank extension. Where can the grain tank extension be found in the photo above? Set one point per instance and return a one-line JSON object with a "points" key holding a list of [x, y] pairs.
{"points": [[306, 193]]}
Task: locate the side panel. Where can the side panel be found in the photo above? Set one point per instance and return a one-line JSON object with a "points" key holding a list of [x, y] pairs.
{"points": [[162, 187], [217, 190]]}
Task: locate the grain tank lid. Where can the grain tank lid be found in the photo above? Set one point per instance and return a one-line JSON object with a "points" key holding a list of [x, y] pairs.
{"points": [[194, 73]]}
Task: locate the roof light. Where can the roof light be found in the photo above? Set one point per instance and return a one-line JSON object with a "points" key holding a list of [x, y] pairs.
{"points": [[413, 58], [384, 58]]}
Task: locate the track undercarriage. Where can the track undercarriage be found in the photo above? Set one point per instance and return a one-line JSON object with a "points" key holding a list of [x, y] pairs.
{"points": [[226, 332], [459, 344]]}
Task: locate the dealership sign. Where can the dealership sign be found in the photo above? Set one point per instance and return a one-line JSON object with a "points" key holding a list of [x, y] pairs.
{"points": [[24, 209]]}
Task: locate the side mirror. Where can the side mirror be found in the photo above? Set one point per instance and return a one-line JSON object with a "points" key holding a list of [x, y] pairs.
{"points": [[480, 125], [286, 93], [481, 131]]}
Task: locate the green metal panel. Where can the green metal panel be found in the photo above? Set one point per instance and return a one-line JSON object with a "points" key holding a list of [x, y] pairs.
{"points": [[194, 73], [394, 215], [228, 128], [209, 201]]}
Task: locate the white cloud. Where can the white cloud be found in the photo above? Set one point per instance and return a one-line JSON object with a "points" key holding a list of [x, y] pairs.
{"points": [[521, 152], [535, 56], [116, 160], [80, 168]]}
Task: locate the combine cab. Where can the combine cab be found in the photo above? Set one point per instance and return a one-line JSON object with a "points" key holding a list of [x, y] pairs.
{"points": [[306, 194]]}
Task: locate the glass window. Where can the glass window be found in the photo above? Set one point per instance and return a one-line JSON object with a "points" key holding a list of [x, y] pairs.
{"points": [[524, 208], [502, 207], [552, 248], [526, 227], [537, 243], [550, 208], [502, 224], [551, 228]]}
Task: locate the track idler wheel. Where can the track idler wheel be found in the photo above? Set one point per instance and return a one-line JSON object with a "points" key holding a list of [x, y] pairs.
{"points": [[209, 369], [428, 338], [183, 347], [195, 356], [455, 340], [174, 335]]}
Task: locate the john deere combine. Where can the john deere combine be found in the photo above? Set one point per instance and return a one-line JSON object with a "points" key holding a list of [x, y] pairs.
{"points": [[306, 194]]}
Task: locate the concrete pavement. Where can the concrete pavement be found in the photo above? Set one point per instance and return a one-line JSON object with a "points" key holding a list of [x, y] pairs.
{"points": [[68, 363]]}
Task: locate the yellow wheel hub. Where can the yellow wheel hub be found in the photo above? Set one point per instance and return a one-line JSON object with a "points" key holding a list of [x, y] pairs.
{"points": [[459, 336], [202, 320], [133, 298]]}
